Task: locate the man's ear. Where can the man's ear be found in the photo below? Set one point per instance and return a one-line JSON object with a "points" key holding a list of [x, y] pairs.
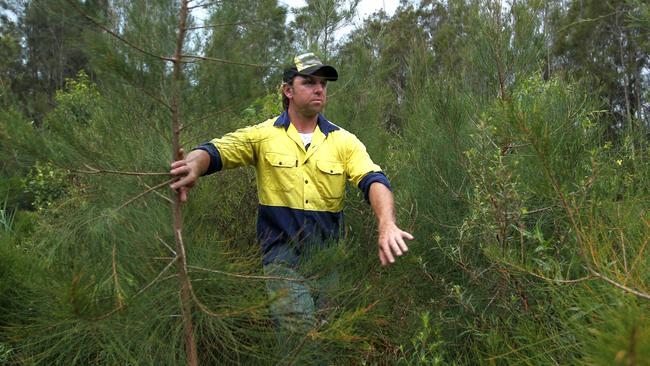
{"points": [[287, 91]]}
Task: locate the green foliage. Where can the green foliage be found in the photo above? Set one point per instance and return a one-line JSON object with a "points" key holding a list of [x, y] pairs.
{"points": [[76, 103], [47, 184], [263, 108], [6, 219], [426, 346], [531, 216]]}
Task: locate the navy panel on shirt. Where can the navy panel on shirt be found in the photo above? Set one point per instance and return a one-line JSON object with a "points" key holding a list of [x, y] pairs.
{"points": [[284, 233]]}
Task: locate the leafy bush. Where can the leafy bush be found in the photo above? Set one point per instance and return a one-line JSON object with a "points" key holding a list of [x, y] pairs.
{"points": [[47, 184]]}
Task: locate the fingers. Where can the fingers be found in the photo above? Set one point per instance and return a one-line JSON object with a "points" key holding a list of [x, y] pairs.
{"points": [[178, 163], [401, 244], [180, 159], [395, 247], [382, 257], [181, 169], [392, 245], [183, 194], [407, 235], [186, 181], [386, 251]]}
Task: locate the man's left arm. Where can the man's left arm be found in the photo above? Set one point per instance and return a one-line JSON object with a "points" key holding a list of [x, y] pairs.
{"points": [[391, 238]]}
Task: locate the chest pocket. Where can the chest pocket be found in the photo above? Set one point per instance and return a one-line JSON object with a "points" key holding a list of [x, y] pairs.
{"points": [[280, 171], [331, 179]]}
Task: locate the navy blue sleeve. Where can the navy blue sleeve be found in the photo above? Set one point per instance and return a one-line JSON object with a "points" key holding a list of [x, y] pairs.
{"points": [[371, 178], [215, 158]]}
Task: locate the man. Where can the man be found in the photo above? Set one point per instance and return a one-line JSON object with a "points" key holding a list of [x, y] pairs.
{"points": [[302, 161]]}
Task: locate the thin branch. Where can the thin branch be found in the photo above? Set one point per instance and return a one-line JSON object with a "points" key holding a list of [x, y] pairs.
{"points": [[121, 306], [586, 20], [167, 245], [341, 89], [93, 170], [118, 290], [581, 279], [123, 40], [209, 312], [202, 5], [169, 200], [152, 96], [207, 116], [229, 62], [160, 133], [157, 277], [221, 25], [145, 192], [622, 287], [252, 277]]}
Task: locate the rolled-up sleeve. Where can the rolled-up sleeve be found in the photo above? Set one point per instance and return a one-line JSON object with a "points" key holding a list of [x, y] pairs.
{"points": [[361, 170], [215, 158], [371, 178]]}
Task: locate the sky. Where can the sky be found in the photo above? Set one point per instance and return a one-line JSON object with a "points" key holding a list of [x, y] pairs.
{"points": [[364, 9]]}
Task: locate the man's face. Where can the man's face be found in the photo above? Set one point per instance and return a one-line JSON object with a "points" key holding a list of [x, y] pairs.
{"points": [[308, 95]]}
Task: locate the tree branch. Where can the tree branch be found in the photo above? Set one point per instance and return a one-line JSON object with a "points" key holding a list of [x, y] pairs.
{"points": [[228, 62], [93, 170], [252, 277], [166, 245], [118, 290], [221, 25], [121, 305], [621, 286], [123, 40], [185, 284], [169, 200], [157, 277], [523, 270], [202, 5], [150, 95], [145, 192]]}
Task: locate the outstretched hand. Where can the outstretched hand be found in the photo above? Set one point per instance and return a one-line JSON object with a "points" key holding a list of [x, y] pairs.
{"points": [[187, 176], [391, 243]]}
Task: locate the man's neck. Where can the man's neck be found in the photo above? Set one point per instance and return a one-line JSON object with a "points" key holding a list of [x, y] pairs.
{"points": [[302, 123]]}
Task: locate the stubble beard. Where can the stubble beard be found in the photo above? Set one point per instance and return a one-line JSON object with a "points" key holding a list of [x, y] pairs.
{"points": [[310, 111]]}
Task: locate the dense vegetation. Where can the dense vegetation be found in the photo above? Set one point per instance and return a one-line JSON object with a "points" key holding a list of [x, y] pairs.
{"points": [[516, 136]]}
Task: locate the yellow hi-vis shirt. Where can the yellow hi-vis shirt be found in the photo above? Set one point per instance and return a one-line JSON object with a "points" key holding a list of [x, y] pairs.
{"points": [[300, 190]]}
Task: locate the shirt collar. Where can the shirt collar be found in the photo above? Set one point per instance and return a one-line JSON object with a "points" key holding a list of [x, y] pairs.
{"points": [[324, 125]]}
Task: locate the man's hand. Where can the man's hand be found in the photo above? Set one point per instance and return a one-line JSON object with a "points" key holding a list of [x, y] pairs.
{"points": [[391, 238], [188, 170], [391, 243]]}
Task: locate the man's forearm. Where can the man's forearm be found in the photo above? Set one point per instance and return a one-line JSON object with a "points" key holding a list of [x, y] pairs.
{"points": [[391, 238], [381, 201]]}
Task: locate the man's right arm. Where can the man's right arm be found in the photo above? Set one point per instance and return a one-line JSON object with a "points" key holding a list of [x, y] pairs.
{"points": [[235, 149], [189, 170]]}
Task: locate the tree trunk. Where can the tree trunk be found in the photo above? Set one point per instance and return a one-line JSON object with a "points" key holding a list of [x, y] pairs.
{"points": [[181, 261], [626, 79]]}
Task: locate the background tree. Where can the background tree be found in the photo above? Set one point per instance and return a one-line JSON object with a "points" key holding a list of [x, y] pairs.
{"points": [[491, 121], [317, 22], [597, 41]]}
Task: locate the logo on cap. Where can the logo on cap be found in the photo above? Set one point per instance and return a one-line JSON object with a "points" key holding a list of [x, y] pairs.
{"points": [[306, 60]]}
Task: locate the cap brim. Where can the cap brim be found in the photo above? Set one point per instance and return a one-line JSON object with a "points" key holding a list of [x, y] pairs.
{"points": [[324, 71]]}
